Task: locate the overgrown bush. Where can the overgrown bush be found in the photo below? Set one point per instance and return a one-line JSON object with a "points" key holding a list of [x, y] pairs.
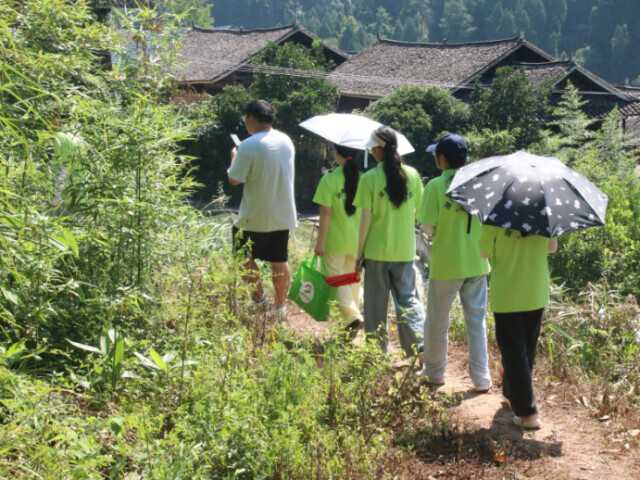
{"points": [[91, 178], [513, 102], [597, 337], [610, 252]]}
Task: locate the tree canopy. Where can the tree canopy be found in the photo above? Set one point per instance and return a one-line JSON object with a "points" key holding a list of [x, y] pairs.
{"points": [[421, 114]]}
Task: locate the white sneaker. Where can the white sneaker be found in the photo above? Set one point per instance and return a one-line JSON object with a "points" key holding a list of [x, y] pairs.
{"points": [[483, 388], [529, 423], [433, 381]]}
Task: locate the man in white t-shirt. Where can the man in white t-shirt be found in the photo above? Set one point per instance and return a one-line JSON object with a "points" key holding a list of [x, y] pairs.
{"points": [[264, 163]]}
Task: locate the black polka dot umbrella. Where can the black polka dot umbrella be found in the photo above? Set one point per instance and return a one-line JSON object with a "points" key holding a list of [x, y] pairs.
{"points": [[530, 193]]}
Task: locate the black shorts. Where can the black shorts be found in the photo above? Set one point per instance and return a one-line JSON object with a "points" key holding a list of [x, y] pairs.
{"points": [[267, 246]]}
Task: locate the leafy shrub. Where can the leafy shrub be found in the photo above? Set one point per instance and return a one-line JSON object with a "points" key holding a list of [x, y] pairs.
{"points": [[609, 252], [486, 143], [91, 177], [513, 102], [421, 114]]}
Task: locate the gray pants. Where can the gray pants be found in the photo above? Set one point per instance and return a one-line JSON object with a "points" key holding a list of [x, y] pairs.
{"points": [[399, 278]]}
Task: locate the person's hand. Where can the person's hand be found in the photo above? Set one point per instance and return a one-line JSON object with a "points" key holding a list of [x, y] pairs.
{"points": [[359, 265], [319, 249], [234, 150]]}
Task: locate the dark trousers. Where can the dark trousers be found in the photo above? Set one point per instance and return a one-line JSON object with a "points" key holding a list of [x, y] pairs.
{"points": [[517, 336]]}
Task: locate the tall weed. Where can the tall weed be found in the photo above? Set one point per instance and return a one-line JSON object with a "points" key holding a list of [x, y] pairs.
{"points": [[598, 337]]}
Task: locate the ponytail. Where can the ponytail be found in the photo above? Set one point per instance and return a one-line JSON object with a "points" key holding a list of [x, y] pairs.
{"points": [[392, 165], [351, 177]]}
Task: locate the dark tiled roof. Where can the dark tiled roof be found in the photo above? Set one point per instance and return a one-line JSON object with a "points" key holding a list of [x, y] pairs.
{"points": [[537, 73], [384, 66], [126, 3], [632, 128], [555, 74], [211, 54], [545, 73], [600, 107], [558, 74], [629, 90], [601, 97]]}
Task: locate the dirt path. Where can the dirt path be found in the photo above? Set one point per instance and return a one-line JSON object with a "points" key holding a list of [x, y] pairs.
{"points": [[571, 444]]}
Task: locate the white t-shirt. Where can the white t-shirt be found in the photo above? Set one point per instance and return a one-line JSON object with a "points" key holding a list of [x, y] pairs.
{"points": [[264, 163]]}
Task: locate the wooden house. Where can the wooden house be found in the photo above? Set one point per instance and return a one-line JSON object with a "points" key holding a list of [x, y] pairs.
{"points": [[210, 59], [386, 65]]}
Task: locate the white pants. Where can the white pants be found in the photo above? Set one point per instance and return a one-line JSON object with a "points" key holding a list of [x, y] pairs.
{"points": [[348, 296], [440, 297]]}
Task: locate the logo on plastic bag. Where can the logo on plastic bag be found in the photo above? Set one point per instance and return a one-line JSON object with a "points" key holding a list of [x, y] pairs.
{"points": [[306, 292]]}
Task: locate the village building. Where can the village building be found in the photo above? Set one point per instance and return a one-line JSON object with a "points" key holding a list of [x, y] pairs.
{"points": [[210, 59], [384, 66]]}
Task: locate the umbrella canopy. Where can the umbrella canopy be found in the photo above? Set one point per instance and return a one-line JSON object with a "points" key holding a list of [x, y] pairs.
{"points": [[530, 193], [350, 130]]}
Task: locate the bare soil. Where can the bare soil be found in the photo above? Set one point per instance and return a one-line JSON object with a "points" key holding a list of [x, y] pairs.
{"points": [[482, 442]]}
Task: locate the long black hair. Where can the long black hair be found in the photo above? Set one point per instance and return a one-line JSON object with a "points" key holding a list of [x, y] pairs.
{"points": [[392, 165], [351, 176]]}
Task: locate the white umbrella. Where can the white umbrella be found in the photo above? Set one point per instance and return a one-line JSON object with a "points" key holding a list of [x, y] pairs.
{"points": [[350, 130]]}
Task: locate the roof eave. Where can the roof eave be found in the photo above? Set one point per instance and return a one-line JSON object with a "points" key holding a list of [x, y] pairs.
{"points": [[313, 36], [363, 96], [495, 62], [601, 83], [447, 44]]}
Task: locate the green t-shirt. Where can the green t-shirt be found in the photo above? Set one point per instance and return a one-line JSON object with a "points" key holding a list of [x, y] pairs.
{"points": [[391, 236], [342, 235], [519, 272], [454, 252]]}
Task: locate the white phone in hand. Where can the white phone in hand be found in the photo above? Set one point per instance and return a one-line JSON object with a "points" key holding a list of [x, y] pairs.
{"points": [[235, 139]]}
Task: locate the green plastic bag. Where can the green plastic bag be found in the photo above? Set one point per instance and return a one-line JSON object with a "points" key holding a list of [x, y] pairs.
{"points": [[311, 292]]}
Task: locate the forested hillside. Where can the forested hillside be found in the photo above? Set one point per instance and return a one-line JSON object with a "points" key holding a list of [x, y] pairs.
{"points": [[604, 35]]}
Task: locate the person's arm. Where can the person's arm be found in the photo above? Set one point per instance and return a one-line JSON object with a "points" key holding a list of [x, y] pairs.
{"points": [[426, 228], [234, 151], [325, 216], [486, 242], [427, 213], [365, 223], [553, 246]]}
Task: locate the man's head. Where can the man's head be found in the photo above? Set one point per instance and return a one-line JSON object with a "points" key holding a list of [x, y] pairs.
{"points": [[260, 110], [453, 147]]}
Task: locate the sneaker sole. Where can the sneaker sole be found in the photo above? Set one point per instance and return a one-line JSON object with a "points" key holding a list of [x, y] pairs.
{"points": [[531, 424]]}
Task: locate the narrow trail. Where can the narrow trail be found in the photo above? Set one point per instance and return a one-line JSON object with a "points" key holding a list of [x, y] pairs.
{"points": [[571, 444]]}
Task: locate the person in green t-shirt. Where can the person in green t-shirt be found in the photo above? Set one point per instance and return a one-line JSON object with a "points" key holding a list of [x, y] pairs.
{"points": [[388, 196], [338, 230], [455, 268], [519, 293]]}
